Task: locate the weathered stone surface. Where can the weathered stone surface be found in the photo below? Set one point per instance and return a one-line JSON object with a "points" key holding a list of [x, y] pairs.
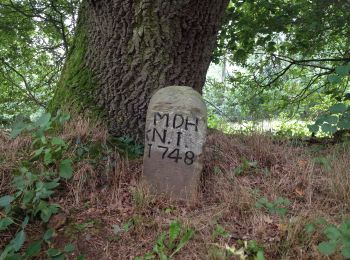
{"points": [[176, 127]]}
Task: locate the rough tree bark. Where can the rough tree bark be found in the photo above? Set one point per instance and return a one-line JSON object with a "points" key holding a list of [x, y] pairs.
{"points": [[125, 50]]}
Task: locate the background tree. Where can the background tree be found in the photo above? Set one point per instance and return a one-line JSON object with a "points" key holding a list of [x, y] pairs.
{"points": [[34, 40], [288, 53]]}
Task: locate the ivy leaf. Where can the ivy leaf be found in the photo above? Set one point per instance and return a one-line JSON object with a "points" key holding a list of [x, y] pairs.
{"points": [[66, 170], [327, 248], [338, 108]]}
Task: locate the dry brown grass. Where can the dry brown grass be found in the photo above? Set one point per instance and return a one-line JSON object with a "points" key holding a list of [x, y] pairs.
{"points": [[12, 152], [109, 194]]}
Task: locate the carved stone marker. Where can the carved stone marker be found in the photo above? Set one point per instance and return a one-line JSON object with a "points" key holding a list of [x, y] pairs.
{"points": [[176, 128]]}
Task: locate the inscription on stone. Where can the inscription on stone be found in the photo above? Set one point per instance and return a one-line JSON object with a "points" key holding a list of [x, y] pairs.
{"points": [[175, 134]]}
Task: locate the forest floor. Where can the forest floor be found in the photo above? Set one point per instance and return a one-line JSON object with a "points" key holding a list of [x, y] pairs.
{"points": [[258, 194]]}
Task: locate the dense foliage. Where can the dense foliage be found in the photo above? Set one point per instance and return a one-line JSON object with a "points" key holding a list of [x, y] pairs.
{"points": [[34, 40], [293, 56]]}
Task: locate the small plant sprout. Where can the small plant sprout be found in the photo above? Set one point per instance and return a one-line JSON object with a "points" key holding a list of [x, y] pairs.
{"points": [[246, 166], [279, 206], [169, 243]]}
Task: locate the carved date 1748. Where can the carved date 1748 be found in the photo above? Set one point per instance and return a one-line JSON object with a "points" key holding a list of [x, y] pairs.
{"points": [[169, 129]]}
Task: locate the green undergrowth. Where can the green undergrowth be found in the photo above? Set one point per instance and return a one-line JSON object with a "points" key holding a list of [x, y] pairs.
{"points": [[34, 183], [42, 174]]}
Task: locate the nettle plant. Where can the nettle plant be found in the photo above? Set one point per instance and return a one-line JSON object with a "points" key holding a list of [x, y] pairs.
{"points": [[34, 183]]}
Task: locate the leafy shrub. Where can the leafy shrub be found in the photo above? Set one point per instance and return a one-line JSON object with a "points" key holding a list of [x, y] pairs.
{"points": [[33, 186], [337, 117]]}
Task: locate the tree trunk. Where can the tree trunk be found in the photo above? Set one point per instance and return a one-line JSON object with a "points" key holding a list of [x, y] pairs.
{"points": [[125, 50]]}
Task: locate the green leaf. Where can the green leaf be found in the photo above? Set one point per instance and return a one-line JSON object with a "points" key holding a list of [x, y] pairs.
{"points": [[34, 248], [17, 129], [345, 228], [38, 152], [58, 257], [259, 255], [28, 196], [327, 128], [338, 108], [332, 233], [18, 241], [6, 200], [327, 248], [344, 123], [334, 79], [331, 119], [43, 120], [51, 185], [48, 157], [52, 252], [66, 170], [310, 228], [69, 248], [25, 222], [188, 235], [342, 70], [5, 223], [174, 231], [48, 234], [57, 141], [346, 251]]}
